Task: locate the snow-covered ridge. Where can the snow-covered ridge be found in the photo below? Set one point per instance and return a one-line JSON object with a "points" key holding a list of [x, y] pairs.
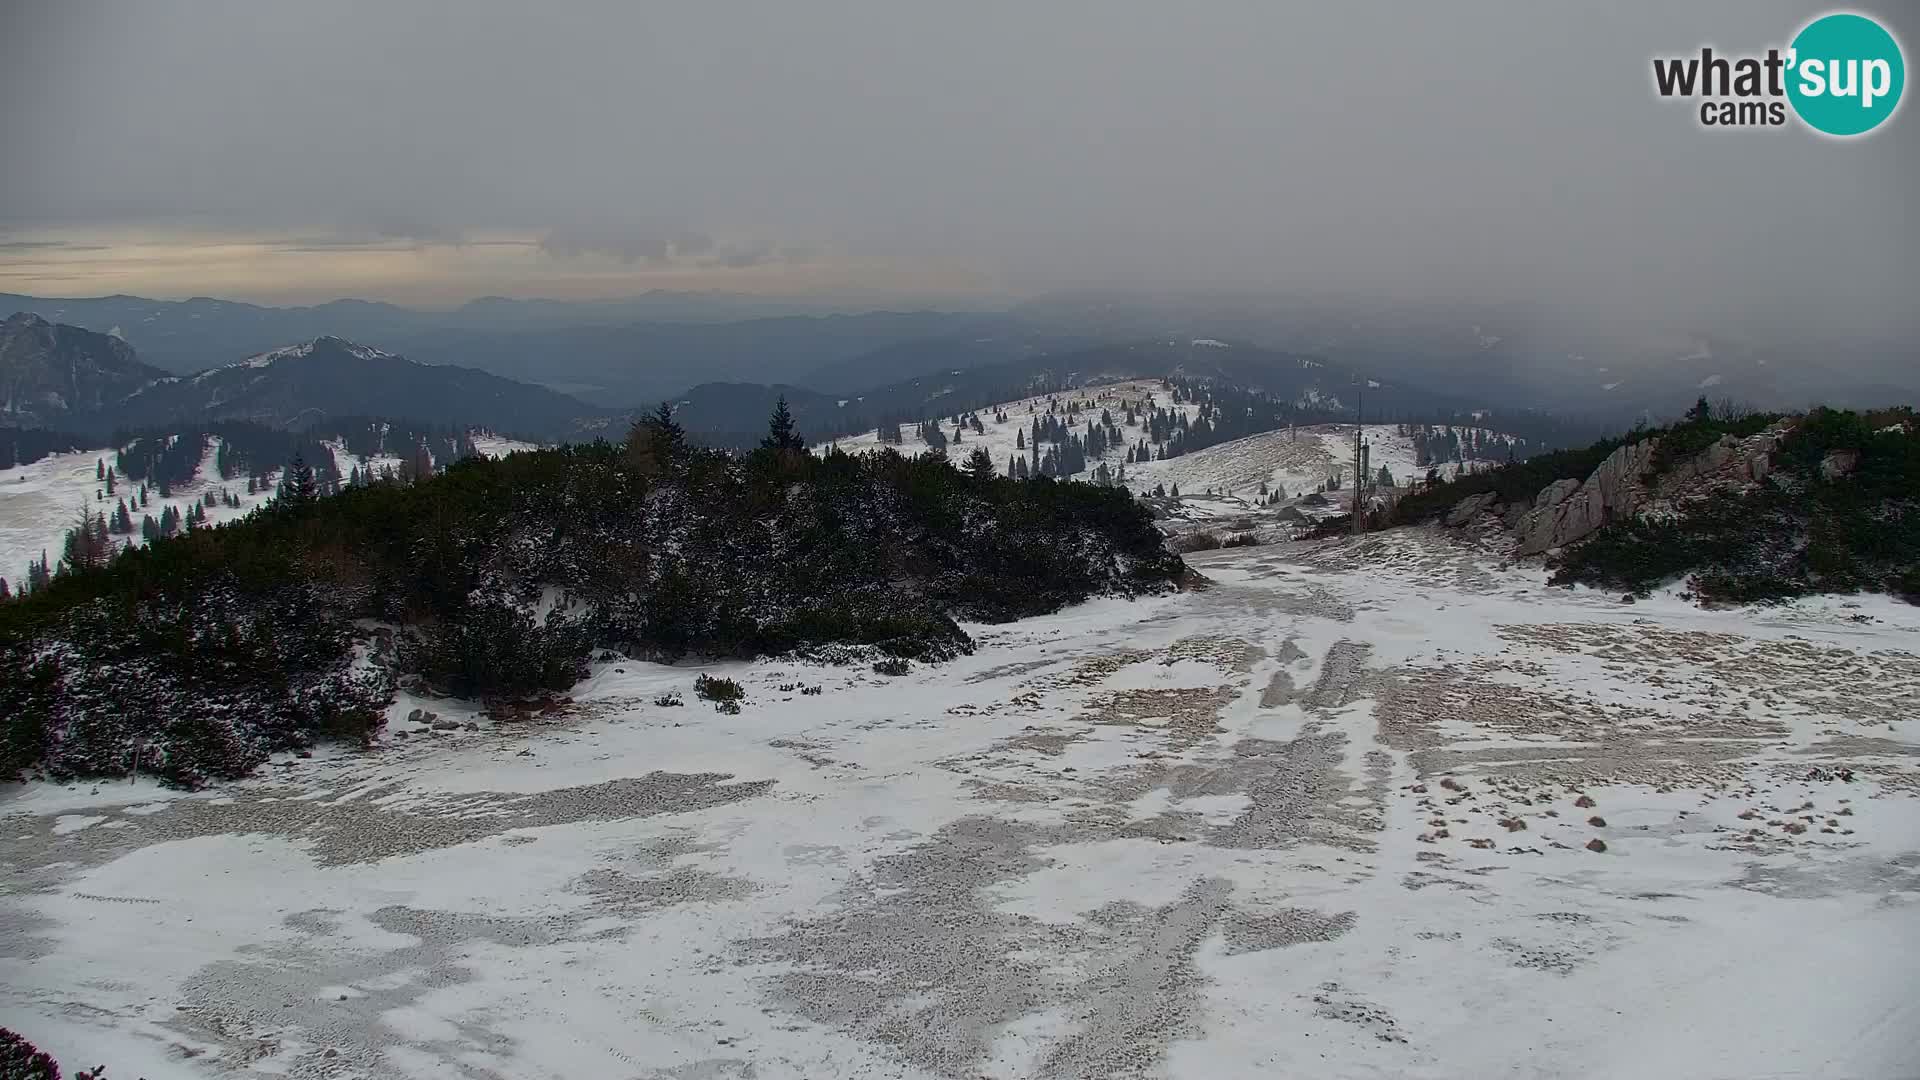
{"points": [[493, 446], [1238, 474], [299, 352]]}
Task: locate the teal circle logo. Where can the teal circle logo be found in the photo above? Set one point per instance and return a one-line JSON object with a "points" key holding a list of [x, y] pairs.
{"points": [[1845, 74]]}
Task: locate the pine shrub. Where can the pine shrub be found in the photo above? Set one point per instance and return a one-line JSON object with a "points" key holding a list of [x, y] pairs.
{"points": [[246, 639]]}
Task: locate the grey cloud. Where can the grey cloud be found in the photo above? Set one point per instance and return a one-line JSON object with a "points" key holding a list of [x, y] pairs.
{"points": [[48, 245], [736, 257], [1496, 152], [629, 243], [380, 235], [41, 275], [416, 232]]}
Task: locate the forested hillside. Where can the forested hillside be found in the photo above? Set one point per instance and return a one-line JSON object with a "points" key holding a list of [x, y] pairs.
{"points": [[196, 655]]}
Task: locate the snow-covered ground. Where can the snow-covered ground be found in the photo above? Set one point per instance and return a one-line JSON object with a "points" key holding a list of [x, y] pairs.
{"points": [[1297, 461], [484, 443], [39, 502], [1330, 817], [499, 445]]}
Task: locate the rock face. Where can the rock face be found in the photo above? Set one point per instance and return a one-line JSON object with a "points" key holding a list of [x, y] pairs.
{"points": [[1729, 462], [1839, 463], [1569, 510], [1555, 493], [1469, 508], [50, 373]]}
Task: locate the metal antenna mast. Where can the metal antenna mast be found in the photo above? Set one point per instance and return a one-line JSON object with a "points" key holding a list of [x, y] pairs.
{"points": [[1359, 406]]}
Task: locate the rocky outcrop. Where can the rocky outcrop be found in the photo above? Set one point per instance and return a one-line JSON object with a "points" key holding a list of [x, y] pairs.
{"points": [[1555, 493], [1839, 463], [1469, 508], [1569, 510], [1730, 462], [1511, 514]]}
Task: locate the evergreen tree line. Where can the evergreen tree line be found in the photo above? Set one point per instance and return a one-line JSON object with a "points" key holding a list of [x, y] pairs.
{"points": [[24, 446], [1434, 444], [241, 450], [164, 461], [169, 458]]}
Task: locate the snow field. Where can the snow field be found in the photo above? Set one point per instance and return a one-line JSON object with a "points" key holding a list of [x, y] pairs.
{"points": [[1190, 836]]}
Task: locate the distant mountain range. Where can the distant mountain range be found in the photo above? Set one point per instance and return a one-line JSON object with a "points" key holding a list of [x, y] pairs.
{"points": [[735, 413], [638, 364], [77, 380], [727, 357], [627, 353], [329, 377]]}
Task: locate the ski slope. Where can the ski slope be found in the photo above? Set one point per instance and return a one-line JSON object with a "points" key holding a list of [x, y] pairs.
{"points": [[1296, 460], [493, 446], [1003, 441], [39, 502]]}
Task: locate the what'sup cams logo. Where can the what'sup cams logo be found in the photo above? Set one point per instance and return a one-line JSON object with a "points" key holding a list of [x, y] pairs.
{"points": [[1841, 75]]}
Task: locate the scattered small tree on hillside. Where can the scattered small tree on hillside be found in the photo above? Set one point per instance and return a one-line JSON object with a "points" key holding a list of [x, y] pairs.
{"points": [[88, 544], [656, 441], [667, 432], [299, 488], [780, 432]]}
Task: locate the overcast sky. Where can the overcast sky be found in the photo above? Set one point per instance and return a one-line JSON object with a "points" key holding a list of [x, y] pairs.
{"points": [[431, 152]]}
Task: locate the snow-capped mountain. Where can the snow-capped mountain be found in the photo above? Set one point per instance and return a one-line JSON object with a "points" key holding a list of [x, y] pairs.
{"points": [[52, 375], [330, 376]]}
